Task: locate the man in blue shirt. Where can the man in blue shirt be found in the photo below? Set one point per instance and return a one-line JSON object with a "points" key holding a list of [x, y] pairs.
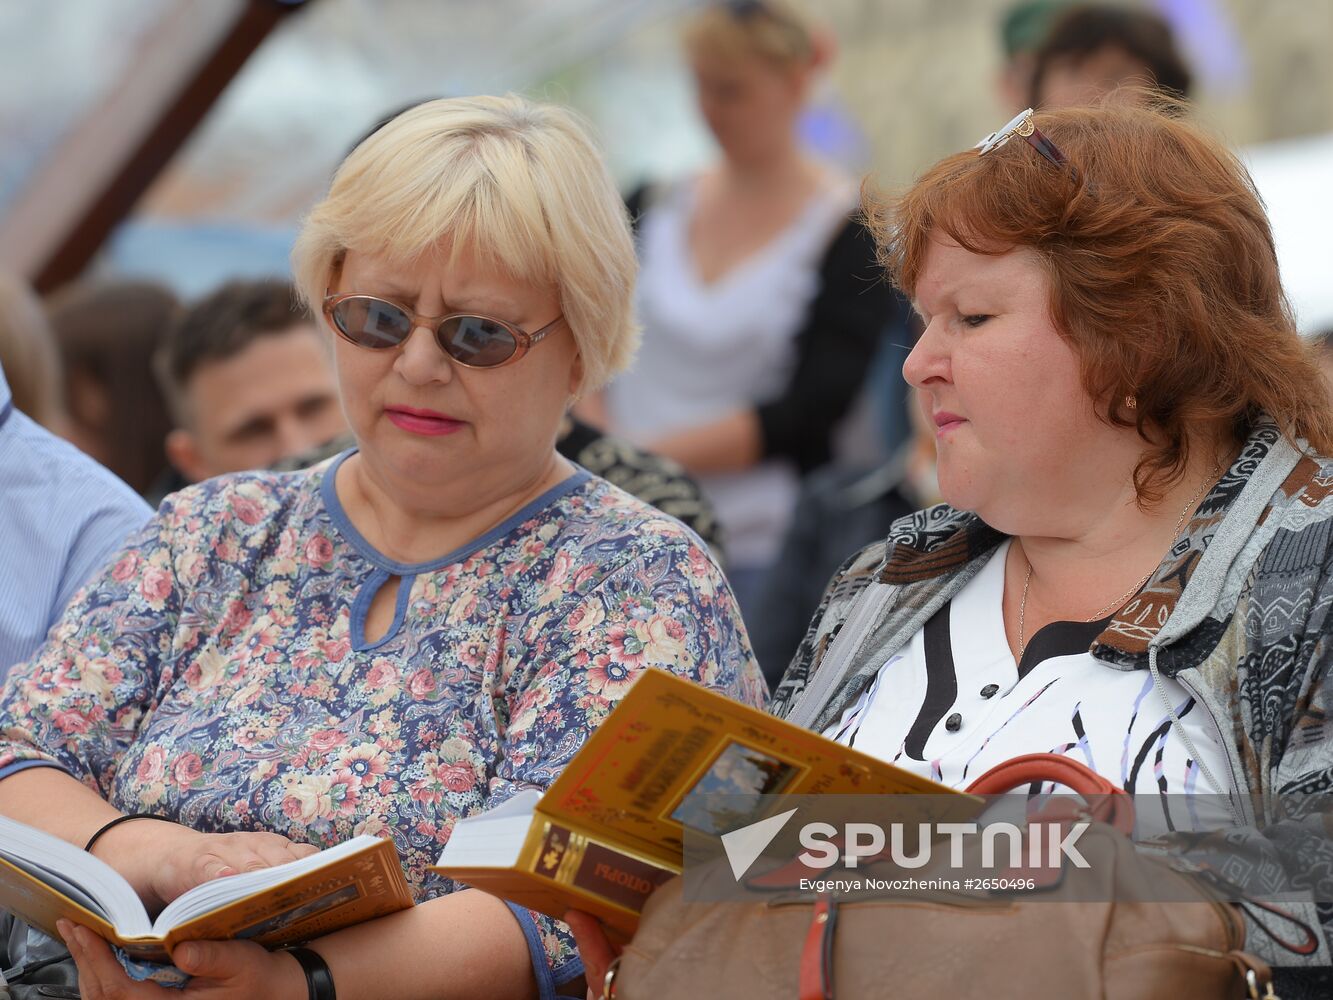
{"points": [[62, 517]]}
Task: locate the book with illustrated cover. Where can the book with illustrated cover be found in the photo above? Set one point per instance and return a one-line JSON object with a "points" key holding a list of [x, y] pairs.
{"points": [[610, 829], [44, 879]]}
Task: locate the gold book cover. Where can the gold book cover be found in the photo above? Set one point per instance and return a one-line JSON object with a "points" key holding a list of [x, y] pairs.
{"points": [[356, 882], [610, 829]]}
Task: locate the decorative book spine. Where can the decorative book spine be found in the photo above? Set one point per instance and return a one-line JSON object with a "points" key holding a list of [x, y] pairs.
{"points": [[570, 858]]}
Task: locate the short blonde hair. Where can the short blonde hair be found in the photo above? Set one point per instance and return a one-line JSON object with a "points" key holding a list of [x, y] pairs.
{"points": [[519, 183], [772, 30]]}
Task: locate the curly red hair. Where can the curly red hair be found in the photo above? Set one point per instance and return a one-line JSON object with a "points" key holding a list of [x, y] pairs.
{"points": [[1162, 268]]}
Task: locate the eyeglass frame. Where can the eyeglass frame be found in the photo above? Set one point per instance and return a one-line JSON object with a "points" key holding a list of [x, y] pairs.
{"points": [[523, 341], [1021, 125]]}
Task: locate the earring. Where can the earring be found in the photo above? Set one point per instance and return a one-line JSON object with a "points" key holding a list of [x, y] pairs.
{"points": [[1131, 402]]}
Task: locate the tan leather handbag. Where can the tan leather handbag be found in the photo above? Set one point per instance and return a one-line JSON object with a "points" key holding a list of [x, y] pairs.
{"points": [[803, 947]]}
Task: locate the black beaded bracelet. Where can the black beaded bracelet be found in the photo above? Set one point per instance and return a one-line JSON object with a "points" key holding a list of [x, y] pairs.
{"points": [[318, 978], [116, 822]]}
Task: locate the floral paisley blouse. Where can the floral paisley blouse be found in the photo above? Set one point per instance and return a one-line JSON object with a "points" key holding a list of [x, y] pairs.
{"points": [[218, 673]]}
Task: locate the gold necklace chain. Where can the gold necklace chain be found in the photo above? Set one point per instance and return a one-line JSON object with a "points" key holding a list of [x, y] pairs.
{"points": [[1119, 601]]}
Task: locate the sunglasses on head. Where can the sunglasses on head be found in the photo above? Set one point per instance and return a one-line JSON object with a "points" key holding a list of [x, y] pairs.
{"points": [[1023, 127], [470, 340]]}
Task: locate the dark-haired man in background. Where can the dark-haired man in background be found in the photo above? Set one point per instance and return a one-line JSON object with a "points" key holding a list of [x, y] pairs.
{"points": [[249, 379], [1090, 49], [1023, 27]]}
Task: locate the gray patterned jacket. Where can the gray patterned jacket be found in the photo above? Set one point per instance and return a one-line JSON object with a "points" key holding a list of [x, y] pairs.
{"points": [[1237, 612]]}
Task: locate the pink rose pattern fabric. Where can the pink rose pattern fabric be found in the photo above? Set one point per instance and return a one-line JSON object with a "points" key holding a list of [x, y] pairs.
{"points": [[216, 673]]}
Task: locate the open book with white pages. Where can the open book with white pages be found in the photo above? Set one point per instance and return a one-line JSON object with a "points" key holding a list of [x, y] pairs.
{"points": [[44, 879]]}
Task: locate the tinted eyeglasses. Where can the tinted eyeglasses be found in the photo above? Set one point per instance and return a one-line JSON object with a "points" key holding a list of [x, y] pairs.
{"points": [[470, 340]]}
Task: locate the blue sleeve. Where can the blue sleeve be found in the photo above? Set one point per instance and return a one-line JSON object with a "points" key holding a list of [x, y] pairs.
{"points": [[99, 540], [25, 765], [548, 978]]}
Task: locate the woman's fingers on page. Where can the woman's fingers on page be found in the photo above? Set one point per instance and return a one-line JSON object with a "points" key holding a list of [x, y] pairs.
{"points": [[289, 851], [262, 850], [228, 853], [210, 866], [203, 857], [266, 855]]}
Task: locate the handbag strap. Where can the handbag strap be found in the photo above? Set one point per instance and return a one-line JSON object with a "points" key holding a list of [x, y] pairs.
{"points": [[816, 981], [1033, 768], [1106, 802]]}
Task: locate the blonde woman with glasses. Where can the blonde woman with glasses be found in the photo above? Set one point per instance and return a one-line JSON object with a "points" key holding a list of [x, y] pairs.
{"points": [[410, 632]]}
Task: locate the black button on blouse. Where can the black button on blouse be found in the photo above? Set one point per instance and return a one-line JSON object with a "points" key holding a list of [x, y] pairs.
{"points": [[953, 723], [989, 690]]}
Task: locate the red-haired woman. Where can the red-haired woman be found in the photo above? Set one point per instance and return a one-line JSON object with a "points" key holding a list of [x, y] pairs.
{"points": [[1132, 567]]}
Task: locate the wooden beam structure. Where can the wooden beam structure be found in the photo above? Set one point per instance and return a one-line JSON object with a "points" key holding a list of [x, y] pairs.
{"points": [[103, 165]]}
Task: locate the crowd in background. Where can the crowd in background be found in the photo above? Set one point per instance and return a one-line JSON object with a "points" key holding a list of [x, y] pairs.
{"points": [[767, 409], [769, 375]]}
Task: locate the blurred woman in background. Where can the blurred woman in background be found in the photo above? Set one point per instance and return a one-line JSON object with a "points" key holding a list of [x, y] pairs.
{"points": [[759, 295]]}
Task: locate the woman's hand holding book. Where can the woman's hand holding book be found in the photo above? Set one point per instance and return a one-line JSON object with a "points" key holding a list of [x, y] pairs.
{"points": [[222, 970], [162, 860]]}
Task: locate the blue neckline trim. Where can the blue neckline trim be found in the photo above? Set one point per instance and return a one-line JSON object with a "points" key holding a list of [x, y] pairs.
{"points": [[5, 411], [329, 494], [360, 610]]}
